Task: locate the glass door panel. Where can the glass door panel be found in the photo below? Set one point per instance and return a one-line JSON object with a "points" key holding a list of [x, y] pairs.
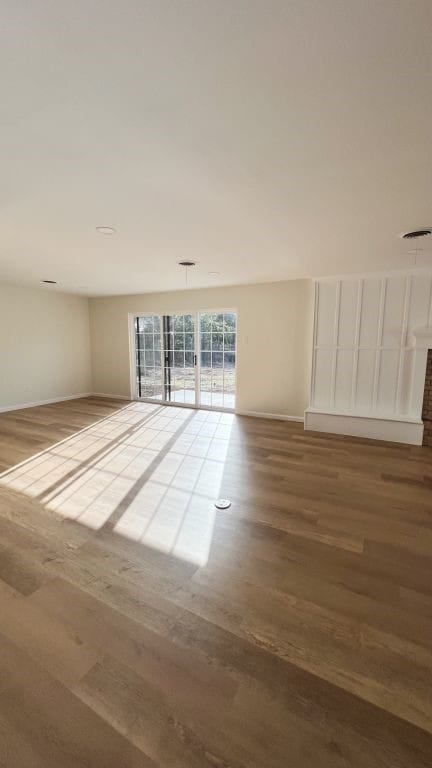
{"points": [[179, 359], [217, 350], [149, 375]]}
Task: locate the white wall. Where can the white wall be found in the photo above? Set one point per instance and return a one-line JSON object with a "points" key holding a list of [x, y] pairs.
{"points": [[44, 346], [274, 340], [369, 358]]}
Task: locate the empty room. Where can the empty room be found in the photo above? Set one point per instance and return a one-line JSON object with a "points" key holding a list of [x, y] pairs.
{"points": [[216, 384]]}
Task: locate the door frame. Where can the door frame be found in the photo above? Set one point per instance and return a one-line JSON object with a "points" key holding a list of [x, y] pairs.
{"points": [[132, 361]]}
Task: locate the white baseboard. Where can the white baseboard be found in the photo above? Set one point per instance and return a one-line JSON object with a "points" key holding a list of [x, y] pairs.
{"points": [[393, 429], [255, 414], [278, 416], [111, 397], [21, 406]]}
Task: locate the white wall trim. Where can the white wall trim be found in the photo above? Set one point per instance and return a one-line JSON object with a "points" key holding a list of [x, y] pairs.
{"points": [[278, 416], [353, 394], [365, 275], [336, 320], [21, 406], [111, 397], [314, 344], [390, 428], [255, 414]]}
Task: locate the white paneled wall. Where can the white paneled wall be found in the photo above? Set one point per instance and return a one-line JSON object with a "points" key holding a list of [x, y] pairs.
{"points": [[367, 358]]}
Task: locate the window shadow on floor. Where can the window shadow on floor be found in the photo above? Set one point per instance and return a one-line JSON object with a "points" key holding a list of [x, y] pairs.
{"points": [[148, 473]]}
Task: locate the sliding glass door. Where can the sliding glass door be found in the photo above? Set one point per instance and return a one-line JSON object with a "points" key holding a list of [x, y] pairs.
{"points": [[189, 359]]}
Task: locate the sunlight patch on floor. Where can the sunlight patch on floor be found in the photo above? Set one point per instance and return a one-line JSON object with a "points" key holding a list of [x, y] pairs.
{"points": [[150, 472]]}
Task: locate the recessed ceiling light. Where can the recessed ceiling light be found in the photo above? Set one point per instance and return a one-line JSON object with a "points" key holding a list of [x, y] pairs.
{"points": [[106, 230], [50, 282], [214, 274]]}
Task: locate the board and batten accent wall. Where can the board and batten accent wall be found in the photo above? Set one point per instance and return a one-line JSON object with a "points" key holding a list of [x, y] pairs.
{"points": [[371, 336]]}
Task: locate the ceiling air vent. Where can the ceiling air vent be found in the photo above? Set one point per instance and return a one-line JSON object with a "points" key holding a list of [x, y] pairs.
{"points": [[417, 233]]}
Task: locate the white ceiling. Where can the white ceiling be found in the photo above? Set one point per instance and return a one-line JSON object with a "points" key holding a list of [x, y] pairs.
{"points": [[265, 140]]}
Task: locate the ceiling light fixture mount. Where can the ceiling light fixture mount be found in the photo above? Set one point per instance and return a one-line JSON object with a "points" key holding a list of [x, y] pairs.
{"points": [[186, 263], [106, 230], [50, 282], [424, 232], [415, 235]]}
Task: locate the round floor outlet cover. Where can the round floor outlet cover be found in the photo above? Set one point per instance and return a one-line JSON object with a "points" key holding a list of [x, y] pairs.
{"points": [[222, 504]]}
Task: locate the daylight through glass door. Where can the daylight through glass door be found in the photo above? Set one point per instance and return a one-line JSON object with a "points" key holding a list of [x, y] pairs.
{"points": [[179, 359], [166, 358], [218, 334], [186, 358]]}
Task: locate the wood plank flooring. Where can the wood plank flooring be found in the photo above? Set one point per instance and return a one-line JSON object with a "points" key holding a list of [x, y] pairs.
{"points": [[141, 627]]}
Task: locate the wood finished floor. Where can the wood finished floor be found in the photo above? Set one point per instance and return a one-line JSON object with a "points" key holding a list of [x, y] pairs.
{"points": [[139, 628]]}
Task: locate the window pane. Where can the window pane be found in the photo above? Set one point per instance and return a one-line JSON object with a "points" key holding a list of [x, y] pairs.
{"points": [[189, 323], [229, 359], [206, 385], [189, 378], [149, 359], [217, 380], [179, 341], [230, 320], [206, 359], [148, 341], [159, 391], [229, 381], [179, 359], [189, 359], [205, 323], [206, 341], [178, 323], [157, 341], [217, 359], [177, 385], [218, 321], [139, 341], [189, 340], [206, 397], [229, 341], [148, 324], [148, 384], [217, 341]]}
